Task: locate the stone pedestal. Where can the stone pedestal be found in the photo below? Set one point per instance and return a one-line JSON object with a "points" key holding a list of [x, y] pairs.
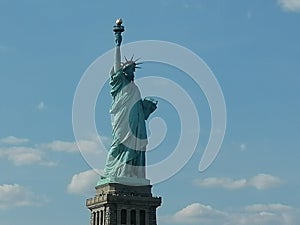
{"points": [[119, 204]]}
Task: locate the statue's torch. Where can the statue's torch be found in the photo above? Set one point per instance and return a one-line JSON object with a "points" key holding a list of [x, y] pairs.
{"points": [[118, 29]]}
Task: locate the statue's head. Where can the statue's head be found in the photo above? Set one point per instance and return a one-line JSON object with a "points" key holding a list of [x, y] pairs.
{"points": [[129, 67]]}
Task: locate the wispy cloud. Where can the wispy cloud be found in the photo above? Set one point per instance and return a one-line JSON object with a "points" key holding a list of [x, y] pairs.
{"points": [[22, 152], [60, 146], [12, 140], [19, 151], [83, 183], [15, 195], [90, 146], [41, 106], [21, 155], [260, 182], [243, 147], [262, 214], [290, 5]]}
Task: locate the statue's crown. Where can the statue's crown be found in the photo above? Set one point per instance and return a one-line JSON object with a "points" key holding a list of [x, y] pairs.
{"points": [[131, 62]]}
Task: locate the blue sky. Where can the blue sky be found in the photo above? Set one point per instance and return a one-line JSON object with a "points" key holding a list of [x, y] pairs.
{"points": [[251, 46]]}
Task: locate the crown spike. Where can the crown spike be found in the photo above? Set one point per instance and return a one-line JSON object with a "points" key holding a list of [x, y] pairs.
{"points": [[137, 59], [132, 57]]}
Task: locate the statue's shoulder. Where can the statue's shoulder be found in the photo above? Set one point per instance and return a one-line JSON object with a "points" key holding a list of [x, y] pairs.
{"points": [[116, 75]]}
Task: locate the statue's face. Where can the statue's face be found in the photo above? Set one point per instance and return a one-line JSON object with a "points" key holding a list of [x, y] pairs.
{"points": [[129, 70]]}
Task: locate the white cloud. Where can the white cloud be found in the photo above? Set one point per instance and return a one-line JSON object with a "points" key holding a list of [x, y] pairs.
{"points": [[264, 181], [60, 146], [89, 145], [41, 106], [260, 214], [92, 151], [21, 156], [269, 207], [198, 213], [290, 5], [269, 214], [243, 147], [260, 182], [15, 195], [12, 150], [12, 140], [223, 182], [84, 183]]}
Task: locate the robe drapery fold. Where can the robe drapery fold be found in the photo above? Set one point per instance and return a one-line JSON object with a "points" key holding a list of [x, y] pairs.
{"points": [[126, 157]]}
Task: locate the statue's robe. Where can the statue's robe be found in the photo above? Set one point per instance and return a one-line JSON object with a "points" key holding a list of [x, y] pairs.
{"points": [[126, 157]]}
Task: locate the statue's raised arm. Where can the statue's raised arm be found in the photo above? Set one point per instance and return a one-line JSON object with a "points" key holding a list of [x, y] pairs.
{"points": [[118, 29]]}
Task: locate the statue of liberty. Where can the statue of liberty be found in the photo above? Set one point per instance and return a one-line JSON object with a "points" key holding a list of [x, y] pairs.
{"points": [[126, 157]]}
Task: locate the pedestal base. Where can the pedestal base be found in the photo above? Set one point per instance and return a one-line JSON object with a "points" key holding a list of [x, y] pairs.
{"points": [[119, 204]]}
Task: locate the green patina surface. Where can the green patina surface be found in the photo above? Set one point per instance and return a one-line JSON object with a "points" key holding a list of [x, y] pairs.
{"points": [[126, 157]]}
